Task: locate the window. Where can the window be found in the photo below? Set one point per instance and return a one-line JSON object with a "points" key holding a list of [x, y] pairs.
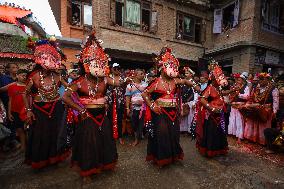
{"points": [[79, 13], [88, 15], [133, 14], [188, 28], [146, 15], [119, 12], [226, 17], [271, 15]]}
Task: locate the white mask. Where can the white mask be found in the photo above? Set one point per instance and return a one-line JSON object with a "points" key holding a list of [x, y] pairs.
{"points": [[48, 62], [96, 70], [171, 72]]}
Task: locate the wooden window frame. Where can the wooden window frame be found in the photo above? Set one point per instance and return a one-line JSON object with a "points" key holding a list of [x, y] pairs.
{"points": [[269, 25], [81, 3], [141, 8], [192, 17]]}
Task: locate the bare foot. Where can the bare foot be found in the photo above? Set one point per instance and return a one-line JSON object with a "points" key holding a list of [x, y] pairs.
{"points": [[87, 180], [121, 141]]}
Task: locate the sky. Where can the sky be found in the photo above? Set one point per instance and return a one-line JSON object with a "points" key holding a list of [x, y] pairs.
{"points": [[42, 11]]}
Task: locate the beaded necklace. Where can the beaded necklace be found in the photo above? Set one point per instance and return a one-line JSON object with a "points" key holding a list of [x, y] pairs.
{"points": [[92, 91], [47, 92], [169, 90]]}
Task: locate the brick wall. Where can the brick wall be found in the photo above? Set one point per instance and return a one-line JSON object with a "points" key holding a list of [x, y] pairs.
{"points": [[249, 29], [66, 29], [137, 41], [243, 31], [265, 37], [249, 32]]}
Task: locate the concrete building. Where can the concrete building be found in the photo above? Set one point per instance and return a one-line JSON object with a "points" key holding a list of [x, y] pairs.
{"points": [[247, 35], [133, 30]]}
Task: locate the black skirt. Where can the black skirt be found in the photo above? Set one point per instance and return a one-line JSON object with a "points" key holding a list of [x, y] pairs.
{"points": [[164, 147], [94, 148], [214, 140], [45, 134]]}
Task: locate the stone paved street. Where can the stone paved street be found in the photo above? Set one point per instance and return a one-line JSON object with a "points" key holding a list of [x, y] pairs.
{"points": [[245, 167]]}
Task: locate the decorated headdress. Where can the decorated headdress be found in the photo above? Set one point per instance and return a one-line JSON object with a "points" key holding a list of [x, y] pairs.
{"points": [[166, 60], [47, 53], [217, 73], [93, 56]]}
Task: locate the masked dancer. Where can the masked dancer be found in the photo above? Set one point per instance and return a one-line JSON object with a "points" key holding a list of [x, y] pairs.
{"points": [[209, 124], [45, 109], [163, 112], [94, 147]]}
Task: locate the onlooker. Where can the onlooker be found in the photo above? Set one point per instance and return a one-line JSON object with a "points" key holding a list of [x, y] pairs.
{"points": [[16, 106], [17, 113], [72, 75], [134, 98], [8, 78]]}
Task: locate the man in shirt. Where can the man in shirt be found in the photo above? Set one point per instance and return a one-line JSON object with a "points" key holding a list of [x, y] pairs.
{"points": [[203, 80], [6, 79], [134, 104]]}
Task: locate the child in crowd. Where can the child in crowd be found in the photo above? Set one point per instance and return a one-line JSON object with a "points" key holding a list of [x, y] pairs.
{"points": [[16, 107]]}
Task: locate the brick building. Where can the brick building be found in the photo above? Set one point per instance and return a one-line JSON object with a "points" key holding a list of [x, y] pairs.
{"points": [[243, 35], [133, 30], [247, 35]]}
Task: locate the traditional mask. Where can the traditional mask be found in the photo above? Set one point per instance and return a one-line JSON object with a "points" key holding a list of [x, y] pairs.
{"points": [[47, 53], [217, 73], [47, 56], [168, 63], [94, 58], [97, 70], [171, 70]]}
